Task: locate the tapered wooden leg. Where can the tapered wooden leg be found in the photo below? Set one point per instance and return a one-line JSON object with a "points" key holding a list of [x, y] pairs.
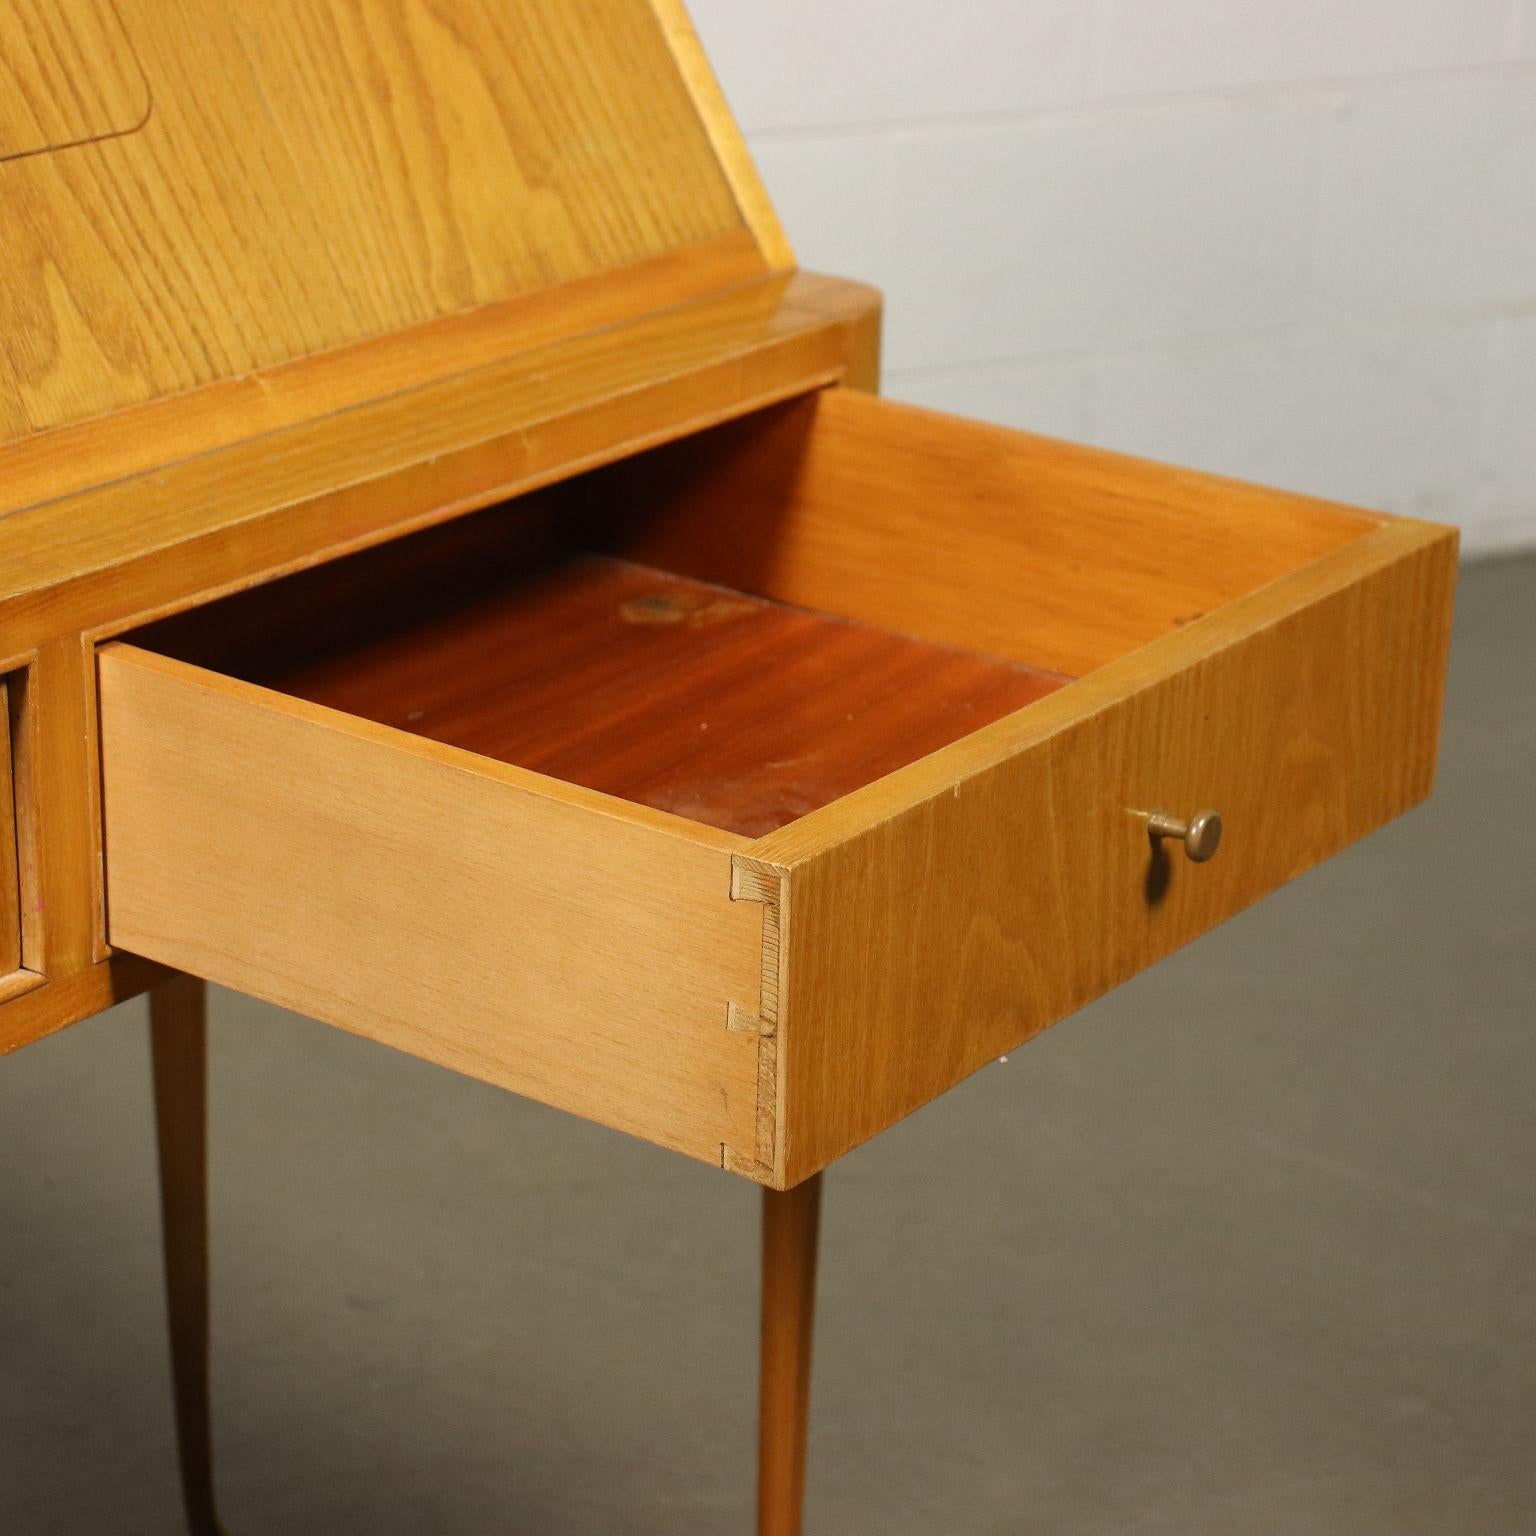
{"points": [[791, 1223], [179, 1047]]}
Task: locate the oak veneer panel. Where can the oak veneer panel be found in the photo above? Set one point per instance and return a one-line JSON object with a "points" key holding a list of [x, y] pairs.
{"points": [[724, 135], [940, 917], [49, 466], [318, 172], [553, 941], [1056, 555], [728, 710]]}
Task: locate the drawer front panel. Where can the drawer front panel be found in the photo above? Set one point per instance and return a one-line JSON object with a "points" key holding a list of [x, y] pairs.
{"points": [[429, 899], [995, 888]]}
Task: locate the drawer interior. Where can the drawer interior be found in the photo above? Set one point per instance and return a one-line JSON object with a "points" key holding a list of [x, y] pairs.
{"points": [[743, 626], [730, 709]]}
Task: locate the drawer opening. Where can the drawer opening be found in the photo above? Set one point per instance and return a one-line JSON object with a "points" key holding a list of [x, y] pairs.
{"points": [[744, 626]]}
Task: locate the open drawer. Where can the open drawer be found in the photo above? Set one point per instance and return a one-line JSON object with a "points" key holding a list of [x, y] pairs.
{"points": [[750, 793]]}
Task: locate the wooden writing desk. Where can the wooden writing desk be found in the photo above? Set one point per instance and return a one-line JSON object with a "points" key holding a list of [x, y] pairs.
{"points": [[458, 583]]}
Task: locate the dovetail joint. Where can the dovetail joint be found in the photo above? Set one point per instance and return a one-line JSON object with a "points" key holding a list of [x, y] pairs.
{"points": [[767, 886]]}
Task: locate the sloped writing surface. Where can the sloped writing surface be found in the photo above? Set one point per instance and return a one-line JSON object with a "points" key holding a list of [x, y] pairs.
{"points": [[317, 172]]}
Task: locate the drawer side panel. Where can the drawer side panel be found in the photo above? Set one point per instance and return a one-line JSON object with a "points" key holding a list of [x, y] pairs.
{"points": [[989, 891], [431, 901]]}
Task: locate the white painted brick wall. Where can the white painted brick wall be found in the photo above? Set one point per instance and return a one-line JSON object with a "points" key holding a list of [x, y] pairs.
{"points": [[1293, 240]]}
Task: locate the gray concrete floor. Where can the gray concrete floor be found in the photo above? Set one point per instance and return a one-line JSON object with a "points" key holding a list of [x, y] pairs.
{"points": [[1248, 1247]]}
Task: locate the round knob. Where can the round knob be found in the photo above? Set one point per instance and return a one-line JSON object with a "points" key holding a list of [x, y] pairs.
{"points": [[1201, 834]]}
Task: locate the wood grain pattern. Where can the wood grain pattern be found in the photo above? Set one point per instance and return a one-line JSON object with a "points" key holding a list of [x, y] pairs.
{"points": [[943, 915], [60, 819], [557, 942], [1060, 556], [725, 137], [316, 172], [47, 466], [67, 74], [728, 710], [10, 892]]}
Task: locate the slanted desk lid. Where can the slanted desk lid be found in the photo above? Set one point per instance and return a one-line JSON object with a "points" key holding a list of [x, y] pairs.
{"points": [[194, 192]]}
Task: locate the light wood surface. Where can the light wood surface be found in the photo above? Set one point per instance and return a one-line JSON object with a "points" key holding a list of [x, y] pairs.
{"points": [[571, 947], [317, 172], [941, 916], [791, 1234], [10, 893], [724, 135], [49, 465], [1044, 552], [178, 1033], [59, 809], [67, 74]]}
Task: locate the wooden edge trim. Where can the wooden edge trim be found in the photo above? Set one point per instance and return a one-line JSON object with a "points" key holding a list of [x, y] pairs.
{"points": [[19, 982], [520, 780], [1083, 458], [940, 772], [858, 308], [49, 1006], [724, 135], [96, 812], [838, 298], [752, 880]]}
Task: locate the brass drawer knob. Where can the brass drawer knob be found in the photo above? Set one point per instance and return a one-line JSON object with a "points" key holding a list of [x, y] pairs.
{"points": [[1201, 834]]}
